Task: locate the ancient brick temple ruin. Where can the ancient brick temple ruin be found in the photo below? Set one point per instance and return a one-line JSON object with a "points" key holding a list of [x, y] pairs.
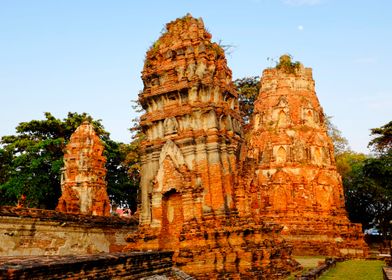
{"points": [[189, 177], [290, 175], [83, 182], [226, 205]]}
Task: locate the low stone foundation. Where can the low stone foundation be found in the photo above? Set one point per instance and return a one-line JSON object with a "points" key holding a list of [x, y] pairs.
{"points": [[239, 249], [325, 236], [26, 232], [131, 265]]}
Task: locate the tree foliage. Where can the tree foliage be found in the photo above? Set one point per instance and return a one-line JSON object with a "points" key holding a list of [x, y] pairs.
{"points": [[287, 65], [122, 185], [359, 190], [368, 192], [31, 161], [340, 143], [368, 183], [382, 141], [248, 90]]}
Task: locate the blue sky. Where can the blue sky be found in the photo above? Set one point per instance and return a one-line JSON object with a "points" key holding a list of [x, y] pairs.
{"points": [[87, 55]]}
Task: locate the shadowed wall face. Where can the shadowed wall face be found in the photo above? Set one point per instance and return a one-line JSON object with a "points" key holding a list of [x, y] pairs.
{"points": [[131, 265]]}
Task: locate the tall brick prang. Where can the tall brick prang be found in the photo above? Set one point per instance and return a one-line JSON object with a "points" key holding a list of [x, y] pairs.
{"points": [[83, 184], [291, 175], [192, 123], [189, 165]]}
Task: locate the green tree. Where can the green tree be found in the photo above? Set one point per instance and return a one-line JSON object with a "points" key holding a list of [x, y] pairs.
{"points": [[382, 141], [368, 182], [379, 169], [122, 188], [348, 161], [340, 143], [5, 162], [358, 190], [248, 90], [34, 157]]}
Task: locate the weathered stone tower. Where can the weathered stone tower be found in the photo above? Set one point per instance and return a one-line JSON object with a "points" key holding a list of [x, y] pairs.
{"points": [[291, 174], [188, 173], [192, 125], [83, 182]]}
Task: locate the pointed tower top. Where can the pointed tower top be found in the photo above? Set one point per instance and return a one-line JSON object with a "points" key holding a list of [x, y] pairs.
{"points": [[183, 57]]}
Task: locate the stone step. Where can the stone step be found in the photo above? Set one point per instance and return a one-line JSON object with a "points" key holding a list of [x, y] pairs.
{"points": [[387, 271]]}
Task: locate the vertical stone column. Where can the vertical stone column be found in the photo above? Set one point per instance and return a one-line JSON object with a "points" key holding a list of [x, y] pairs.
{"points": [[215, 176]]}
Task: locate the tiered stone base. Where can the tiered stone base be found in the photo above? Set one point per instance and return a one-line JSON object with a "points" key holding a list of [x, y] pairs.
{"points": [[327, 236], [232, 249]]}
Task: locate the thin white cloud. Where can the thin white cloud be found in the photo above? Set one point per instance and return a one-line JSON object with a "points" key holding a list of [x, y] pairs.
{"points": [[300, 27], [378, 105], [302, 2], [377, 102], [365, 60]]}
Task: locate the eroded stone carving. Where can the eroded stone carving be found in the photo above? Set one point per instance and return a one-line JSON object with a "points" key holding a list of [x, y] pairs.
{"points": [[170, 126]]}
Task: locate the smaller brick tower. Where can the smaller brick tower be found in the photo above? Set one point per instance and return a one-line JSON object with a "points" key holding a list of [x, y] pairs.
{"points": [[291, 176], [83, 184]]}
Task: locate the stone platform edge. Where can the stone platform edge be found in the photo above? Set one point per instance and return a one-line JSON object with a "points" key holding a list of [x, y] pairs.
{"points": [[55, 216], [126, 265]]}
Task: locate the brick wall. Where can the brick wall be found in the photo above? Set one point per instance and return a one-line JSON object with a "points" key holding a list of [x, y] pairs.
{"points": [[26, 232]]}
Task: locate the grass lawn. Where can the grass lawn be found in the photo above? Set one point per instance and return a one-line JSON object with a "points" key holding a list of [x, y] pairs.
{"points": [[355, 270]]}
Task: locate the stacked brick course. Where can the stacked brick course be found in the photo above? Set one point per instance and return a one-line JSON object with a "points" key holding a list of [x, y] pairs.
{"points": [[83, 184]]}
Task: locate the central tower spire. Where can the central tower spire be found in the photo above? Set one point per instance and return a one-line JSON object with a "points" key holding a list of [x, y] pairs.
{"points": [[192, 124]]}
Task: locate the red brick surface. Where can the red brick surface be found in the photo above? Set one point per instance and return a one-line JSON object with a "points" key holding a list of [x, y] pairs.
{"points": [[28, 231], [83, 182], [189, 170], [290, 176]]}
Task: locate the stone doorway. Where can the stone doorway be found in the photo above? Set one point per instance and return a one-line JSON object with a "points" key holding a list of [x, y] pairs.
{"points": [[172, 220]]}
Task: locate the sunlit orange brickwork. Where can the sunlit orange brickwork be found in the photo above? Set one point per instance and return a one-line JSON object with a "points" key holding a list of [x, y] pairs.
{"points": [[83, 184]]}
